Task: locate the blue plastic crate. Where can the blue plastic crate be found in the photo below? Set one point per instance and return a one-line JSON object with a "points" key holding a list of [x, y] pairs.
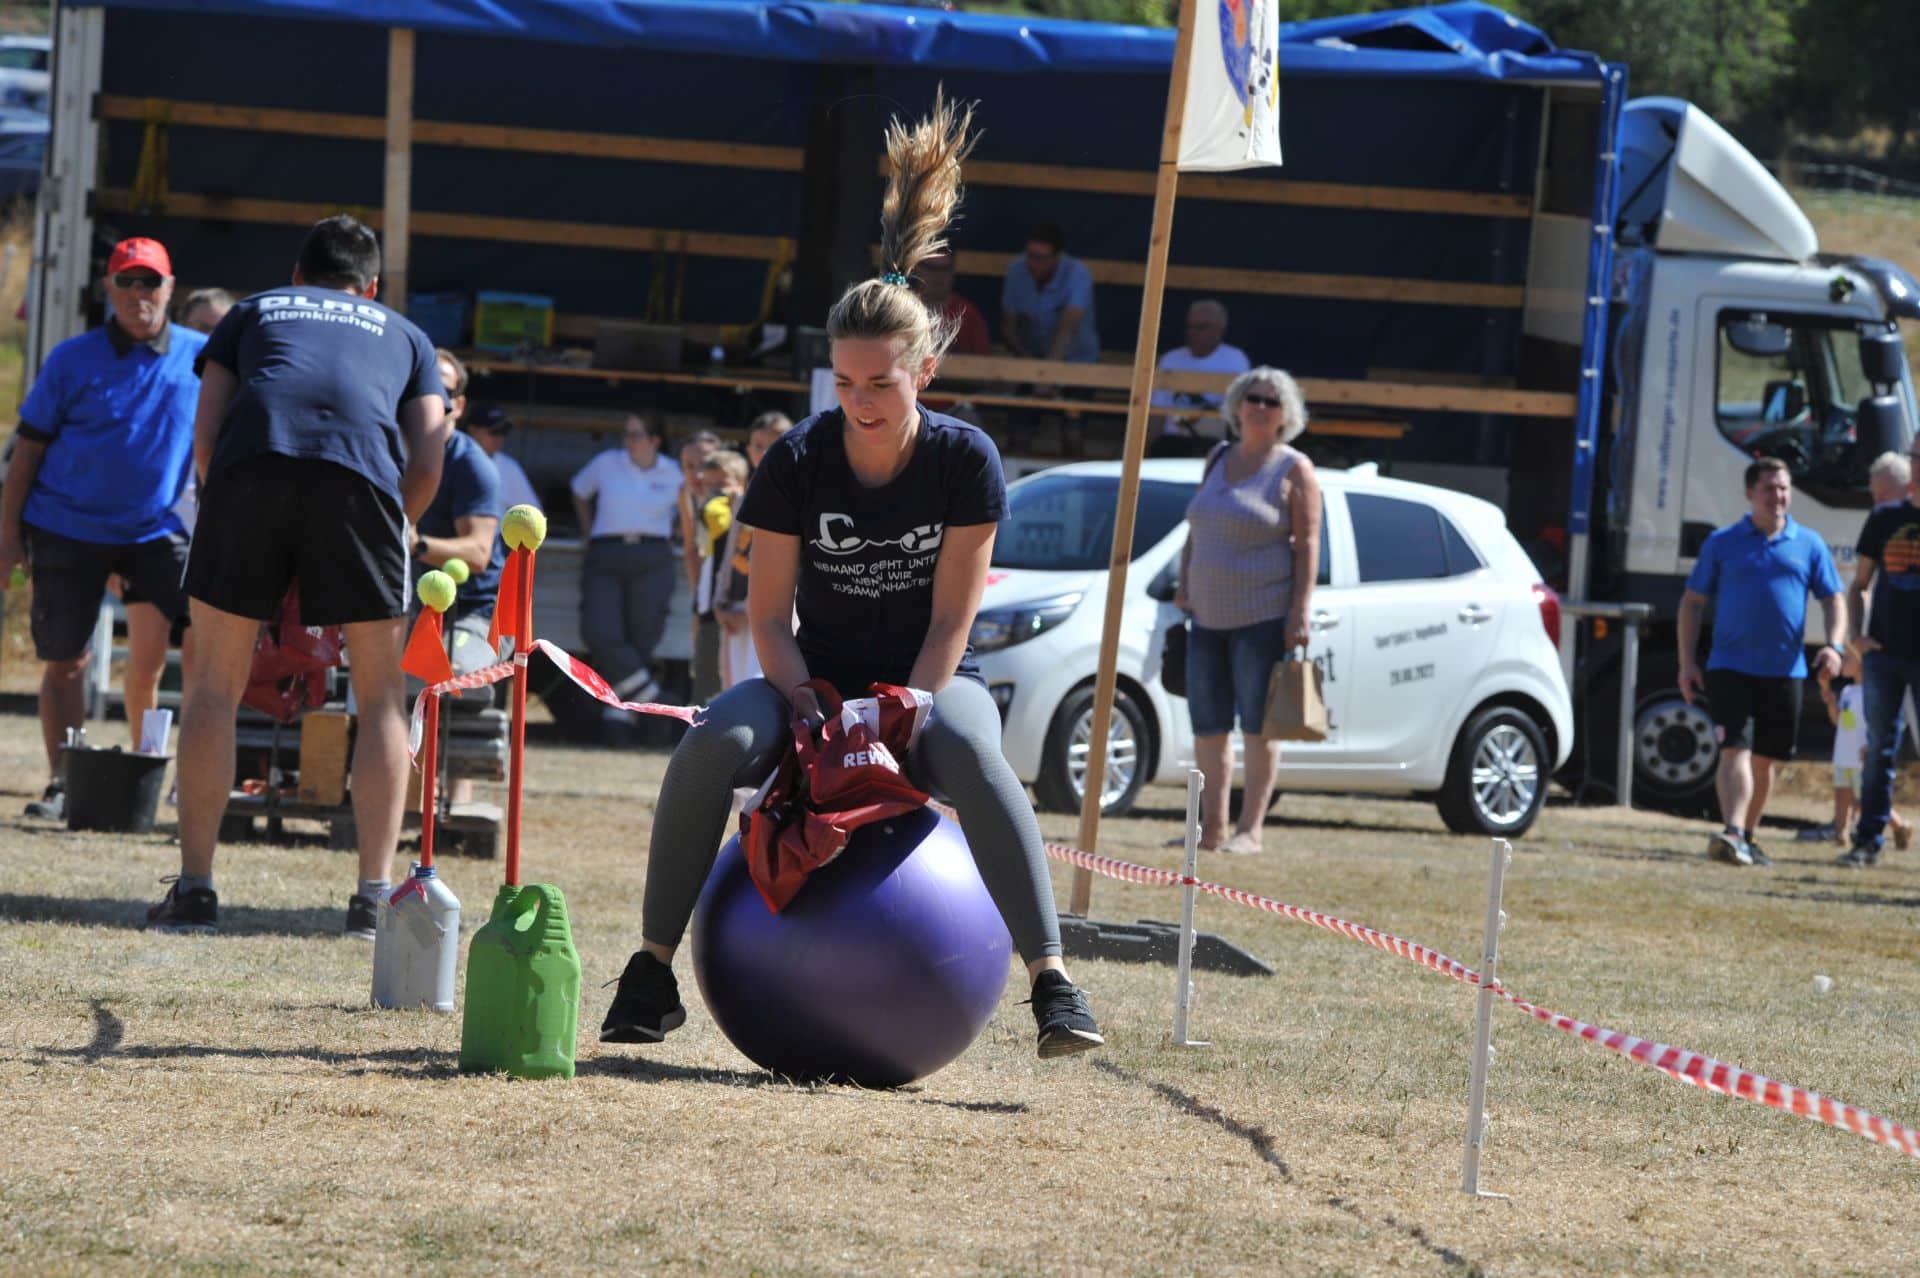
{"points": [[441, 316]]}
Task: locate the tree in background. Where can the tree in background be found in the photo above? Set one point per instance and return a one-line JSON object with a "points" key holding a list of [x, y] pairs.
{"points": [[1855, 71]]}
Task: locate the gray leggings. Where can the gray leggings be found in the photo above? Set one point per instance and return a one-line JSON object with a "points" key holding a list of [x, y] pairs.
{"points": [[958, 754]]}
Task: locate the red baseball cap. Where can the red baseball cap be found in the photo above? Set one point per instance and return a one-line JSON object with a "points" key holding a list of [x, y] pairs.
{"points": [[138, 252]]}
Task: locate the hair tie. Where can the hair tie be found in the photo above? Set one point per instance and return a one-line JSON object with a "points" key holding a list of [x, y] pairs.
{"points": [[894, 277]]}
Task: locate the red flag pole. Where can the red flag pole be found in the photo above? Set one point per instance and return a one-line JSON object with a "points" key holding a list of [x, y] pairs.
{"points": [[522, 606], [429, 774]]}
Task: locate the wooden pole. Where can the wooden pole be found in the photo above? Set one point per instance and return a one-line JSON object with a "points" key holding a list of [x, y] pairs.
{"points": [[1165, 188], [399, 192]]}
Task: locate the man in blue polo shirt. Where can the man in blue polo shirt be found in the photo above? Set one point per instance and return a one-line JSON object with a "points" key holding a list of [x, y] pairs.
{"points": [[101, 458], [1758, 573], [1046, 304], [320, 434], [464, 516]]}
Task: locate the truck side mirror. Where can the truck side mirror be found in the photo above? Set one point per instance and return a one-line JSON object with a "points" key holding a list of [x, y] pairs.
{"points": [[1880, 425], [1882, 357]]}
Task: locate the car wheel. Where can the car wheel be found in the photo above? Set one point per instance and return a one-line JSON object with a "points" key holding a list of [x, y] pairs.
{"points": [[1497, 780], [1062, 783]]}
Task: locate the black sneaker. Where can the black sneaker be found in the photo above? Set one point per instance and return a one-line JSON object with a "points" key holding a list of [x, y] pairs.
{"points": [[1730, 848], [361, 913], [1061, 1012], [646, 1005], [51, 805], [1759, 856], [1860, 857], [195, 910]]}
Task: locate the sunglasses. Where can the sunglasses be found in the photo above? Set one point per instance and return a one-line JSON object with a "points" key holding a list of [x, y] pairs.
{"points": [[127, 279], [1265, 401]]}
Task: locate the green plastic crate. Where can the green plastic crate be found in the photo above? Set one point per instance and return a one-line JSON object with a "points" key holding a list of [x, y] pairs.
{"points": [[506, 322]]}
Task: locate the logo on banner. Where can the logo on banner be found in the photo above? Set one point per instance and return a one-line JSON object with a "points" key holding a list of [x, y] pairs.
{"points": [[1232, 116]]}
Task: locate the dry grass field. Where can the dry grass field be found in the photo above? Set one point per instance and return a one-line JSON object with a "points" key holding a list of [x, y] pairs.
{"points": [[229, 1104]]}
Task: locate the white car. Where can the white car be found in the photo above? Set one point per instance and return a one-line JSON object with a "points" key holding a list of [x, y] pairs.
{"points": [[26, 71], [1435, 637]]}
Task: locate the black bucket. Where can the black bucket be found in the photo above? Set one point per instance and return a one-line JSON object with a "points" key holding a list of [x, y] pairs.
{"points": [[113, 789]]}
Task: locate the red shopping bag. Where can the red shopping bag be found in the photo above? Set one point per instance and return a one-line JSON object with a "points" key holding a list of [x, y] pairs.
{"points": [[830, 784], [290, 662]]}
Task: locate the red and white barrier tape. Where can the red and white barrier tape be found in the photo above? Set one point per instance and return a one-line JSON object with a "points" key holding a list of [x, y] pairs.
{"points": [[1678, 1063], [583, 675]]}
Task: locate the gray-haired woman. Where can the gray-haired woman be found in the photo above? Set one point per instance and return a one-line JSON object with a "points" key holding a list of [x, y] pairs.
{"points": [[1246, 576]]}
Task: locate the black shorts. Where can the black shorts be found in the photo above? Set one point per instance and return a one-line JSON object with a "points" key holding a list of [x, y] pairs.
{"points": [[70, 579], [1755, 712], [270, 520]]}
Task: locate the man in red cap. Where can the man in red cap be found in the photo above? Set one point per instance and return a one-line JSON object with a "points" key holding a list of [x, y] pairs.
{"points": [[102, 455]]}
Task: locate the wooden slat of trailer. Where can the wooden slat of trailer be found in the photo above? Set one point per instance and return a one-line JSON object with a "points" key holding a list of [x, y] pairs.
{"points": [[787, 159]]}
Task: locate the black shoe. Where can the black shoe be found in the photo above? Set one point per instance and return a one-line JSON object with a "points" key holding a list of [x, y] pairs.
{"points": [[1759, 857], [361, 913], [51, 805], [1860, 857], [195, 910], [646, 1005], [1066, 1022], [1730, 848]]}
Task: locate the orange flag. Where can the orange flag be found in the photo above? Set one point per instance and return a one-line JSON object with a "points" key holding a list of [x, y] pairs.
{"points": [[511, 615], [426, 655], [504, 601]]}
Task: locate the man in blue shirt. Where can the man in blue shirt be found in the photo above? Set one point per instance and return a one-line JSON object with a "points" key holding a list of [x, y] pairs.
{"points": [[102, 456], [320, 436], [1758, 573], [464, 516], [1046, 305]]}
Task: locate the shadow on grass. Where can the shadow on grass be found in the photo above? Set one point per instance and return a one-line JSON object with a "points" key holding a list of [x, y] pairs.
{"points": [[1279, 820], [109, 1035], [1262, 1144], [661, 1072], [98, 911]]}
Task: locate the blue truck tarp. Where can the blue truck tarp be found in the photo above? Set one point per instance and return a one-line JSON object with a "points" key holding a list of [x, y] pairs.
{"points": [[1463, 40]]}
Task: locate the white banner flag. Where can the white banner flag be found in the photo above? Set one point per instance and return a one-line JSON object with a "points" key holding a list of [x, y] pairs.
{"points": [[1233, 87]]}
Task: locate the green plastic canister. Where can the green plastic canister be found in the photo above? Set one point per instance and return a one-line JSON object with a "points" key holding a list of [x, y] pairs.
{"points": [[523, 988]]}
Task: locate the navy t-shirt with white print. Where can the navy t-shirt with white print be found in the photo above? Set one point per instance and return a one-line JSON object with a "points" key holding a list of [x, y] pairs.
{"points": [[865, 592], [322, 376]]}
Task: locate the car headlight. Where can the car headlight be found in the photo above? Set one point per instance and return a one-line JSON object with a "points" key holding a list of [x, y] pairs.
{"points": [[997, 628]]}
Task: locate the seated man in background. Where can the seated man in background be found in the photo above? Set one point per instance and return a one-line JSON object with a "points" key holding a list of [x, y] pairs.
{"points": [[934, 281], [461, 523], [1195, 424], [1046, 304]]}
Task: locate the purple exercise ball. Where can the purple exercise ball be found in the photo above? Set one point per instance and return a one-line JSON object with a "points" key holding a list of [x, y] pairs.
{"points": [[888, 963]]}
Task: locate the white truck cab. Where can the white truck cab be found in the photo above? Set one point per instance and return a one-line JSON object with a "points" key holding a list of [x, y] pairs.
{"points": [[1737, 339]]}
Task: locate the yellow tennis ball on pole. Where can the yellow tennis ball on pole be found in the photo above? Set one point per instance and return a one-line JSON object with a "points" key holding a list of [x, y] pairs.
{"points": [[458, 570], [525, 527], [437, 590]]}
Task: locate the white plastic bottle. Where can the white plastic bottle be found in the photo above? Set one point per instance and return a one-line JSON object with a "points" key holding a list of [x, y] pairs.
{"points": [[416, 944]]}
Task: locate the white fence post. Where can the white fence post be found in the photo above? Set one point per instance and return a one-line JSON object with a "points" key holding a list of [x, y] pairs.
{"points": [[1183, 990], [1501, 857]]}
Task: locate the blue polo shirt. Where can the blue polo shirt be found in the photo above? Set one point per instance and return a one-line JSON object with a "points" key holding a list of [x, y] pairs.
{"points": [[1069, 285], [469, 486], [1759, 586], [116, 416]]}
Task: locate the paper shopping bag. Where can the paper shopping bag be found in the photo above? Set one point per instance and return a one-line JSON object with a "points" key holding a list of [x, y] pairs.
{"points": [[1295, 709]]}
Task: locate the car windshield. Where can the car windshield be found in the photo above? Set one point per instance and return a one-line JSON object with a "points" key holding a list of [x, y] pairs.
{"points": [[1064, 523]]}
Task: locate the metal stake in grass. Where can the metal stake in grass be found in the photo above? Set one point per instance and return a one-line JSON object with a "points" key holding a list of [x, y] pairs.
{"points": [[1183, 988], [1498, 860]]}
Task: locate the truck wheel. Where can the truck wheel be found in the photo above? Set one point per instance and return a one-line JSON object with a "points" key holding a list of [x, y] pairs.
{"points": [[1497, 780], [1675, 752], [1063, 765]]}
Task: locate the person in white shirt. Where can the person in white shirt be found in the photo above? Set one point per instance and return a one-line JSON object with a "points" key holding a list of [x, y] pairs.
{"points": [[489, 425], [627, 500], [1195, 424]]}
